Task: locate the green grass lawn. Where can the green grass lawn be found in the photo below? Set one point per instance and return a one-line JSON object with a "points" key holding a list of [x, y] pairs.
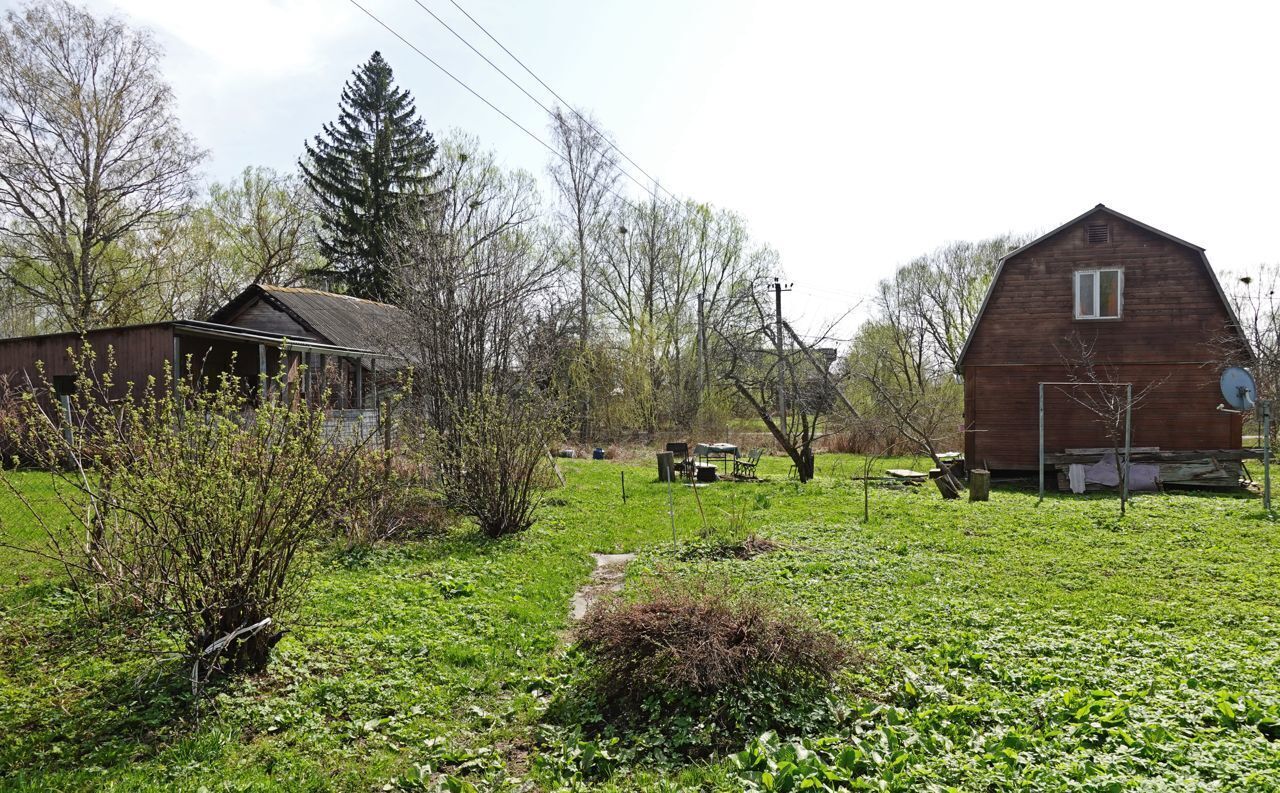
{"points": [[1012, 646]]}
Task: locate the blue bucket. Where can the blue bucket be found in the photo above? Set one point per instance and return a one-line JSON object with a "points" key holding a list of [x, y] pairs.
{"points": [[597, 454]]}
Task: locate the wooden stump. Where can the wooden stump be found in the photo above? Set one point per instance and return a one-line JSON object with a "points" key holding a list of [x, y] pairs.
{"points": [[666, 467], [979, 484]]}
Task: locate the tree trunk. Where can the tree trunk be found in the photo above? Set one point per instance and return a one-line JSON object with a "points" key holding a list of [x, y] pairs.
{"points": [[804, 467]]}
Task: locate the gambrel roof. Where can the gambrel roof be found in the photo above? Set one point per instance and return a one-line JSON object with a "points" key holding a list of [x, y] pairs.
{"points": [[995, 279]]}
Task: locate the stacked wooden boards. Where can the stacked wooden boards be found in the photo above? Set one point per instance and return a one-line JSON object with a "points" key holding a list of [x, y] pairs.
{"points": [[1211, 468]]}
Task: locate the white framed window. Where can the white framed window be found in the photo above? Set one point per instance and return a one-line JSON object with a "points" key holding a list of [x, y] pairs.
{"points": [[1099, 293]]}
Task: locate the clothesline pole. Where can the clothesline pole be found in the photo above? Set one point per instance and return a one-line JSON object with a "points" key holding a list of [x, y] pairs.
{"points": [[1266, 455], [1041, 443], [1128, 416]]}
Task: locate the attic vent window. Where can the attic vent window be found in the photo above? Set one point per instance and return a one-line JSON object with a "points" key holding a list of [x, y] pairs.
{"points": [[1097, 234]]}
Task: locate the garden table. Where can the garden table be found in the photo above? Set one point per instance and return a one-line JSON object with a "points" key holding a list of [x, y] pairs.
{"points": [[716, 453]]}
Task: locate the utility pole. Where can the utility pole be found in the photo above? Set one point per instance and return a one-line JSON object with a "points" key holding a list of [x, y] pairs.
{"points": [[702, 353], [778, 289]]}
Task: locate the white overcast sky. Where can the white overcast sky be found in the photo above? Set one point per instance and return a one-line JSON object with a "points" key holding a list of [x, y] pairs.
{"points": [[852, 136]]}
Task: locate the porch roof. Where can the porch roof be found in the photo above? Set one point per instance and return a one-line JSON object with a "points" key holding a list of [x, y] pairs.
{"points": [[214, 330]]}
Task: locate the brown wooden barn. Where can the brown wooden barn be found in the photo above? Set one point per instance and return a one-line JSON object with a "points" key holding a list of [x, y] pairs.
{"points": [[1148, 304]]}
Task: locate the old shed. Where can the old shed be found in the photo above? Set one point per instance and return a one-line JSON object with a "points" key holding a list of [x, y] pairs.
{"points": [[316, 342], [1147, 305]]}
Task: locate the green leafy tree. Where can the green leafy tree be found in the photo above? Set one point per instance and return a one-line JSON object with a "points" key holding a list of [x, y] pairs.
{"points": [[255, 229], [361, 169]]}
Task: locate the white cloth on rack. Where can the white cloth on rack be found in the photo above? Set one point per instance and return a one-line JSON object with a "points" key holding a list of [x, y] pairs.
{"points": [[1075, 474]]}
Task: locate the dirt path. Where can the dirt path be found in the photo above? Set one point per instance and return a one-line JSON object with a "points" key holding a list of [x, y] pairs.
{"points": [[607, 577]]}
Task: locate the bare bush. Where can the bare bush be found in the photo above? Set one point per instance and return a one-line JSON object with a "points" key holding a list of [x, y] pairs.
{"points": [[494, 464], [387, 500], [701, 653], [703, 638]]}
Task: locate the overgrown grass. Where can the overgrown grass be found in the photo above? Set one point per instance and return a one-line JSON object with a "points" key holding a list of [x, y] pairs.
{"points": [[1015, 646]]}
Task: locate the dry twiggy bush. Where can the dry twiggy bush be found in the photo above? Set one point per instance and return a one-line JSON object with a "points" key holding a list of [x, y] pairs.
{"points": [[704, 666]]}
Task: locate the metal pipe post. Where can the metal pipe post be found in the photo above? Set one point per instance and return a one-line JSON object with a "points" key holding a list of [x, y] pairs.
{"points": [[66, 422], [1266, 455], [1128, 443], [263, 379], [671, 512], [1042, 441], [782, 391]]}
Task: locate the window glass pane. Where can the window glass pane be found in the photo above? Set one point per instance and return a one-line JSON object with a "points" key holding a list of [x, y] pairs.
{"points": [[1109, 293], [1084, 295]]}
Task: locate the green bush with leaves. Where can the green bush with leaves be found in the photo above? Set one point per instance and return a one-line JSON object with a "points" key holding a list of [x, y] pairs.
{"points": [[188, 505]]}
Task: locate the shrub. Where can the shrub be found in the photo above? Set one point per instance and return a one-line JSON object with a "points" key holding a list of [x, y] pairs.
{"points": [[188, 505], [706, 667], [387, 502], [495, 464]]}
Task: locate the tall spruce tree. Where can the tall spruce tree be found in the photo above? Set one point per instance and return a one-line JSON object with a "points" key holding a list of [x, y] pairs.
{"points": [[361, 170]]}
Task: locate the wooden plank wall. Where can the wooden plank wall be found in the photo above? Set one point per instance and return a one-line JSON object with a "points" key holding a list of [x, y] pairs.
{"points": [[1171, 311], [139, 351], [1003, 412], [261, 316]]}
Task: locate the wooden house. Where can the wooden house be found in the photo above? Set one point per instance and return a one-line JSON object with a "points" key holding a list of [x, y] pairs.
{"points": [[322, 318], [316, 342], [1149, 307]]}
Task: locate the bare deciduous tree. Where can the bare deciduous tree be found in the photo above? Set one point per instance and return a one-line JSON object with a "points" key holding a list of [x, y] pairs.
{"points": [[903, 359], [257, 229], [1096, 387], [758, 373], [91, 155], [584, 173], [1255, 345], [471, 267], [918, 402]]}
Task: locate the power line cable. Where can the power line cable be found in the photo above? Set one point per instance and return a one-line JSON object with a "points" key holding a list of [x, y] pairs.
{"points": [[525, 91], [455, 78], [507, 116], [490, 104], [559, 98]]}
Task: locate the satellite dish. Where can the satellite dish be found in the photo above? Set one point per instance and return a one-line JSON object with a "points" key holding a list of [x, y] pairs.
{"points": [[1238, 388]]}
